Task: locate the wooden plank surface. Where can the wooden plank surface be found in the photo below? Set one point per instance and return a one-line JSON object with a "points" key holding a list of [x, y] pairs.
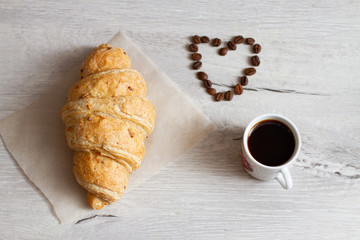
{"points": [[310, 72]]}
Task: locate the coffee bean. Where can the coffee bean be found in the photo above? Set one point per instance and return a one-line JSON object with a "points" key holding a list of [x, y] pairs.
{"points": [[250, 41], [205, 39], [211, 91], [207, 84], [223, 51], [216, 42], [249, 71], [193, 47], [219, 97], [196, 39], [244, 80], [238, 39], [257, 48], [196, 56], [197, 65], [255, 60], [202, 76], [231, 45], [238, 89], [229, 95]]}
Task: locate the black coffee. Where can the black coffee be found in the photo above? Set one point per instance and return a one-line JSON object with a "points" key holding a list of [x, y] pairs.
{"points": [[271, 142]]}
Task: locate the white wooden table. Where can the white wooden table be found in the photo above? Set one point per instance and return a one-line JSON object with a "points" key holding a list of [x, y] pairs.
{"points": [[310, 72]]}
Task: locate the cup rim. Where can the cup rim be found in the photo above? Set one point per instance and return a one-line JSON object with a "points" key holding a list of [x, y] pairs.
{"points": [[282, 119]]}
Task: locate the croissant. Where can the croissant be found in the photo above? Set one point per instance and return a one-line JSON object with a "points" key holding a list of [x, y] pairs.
{"points": [[107, 119]]}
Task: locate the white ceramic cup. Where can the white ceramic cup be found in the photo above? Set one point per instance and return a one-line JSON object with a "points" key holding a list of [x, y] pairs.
{"points": [[264, 172]]}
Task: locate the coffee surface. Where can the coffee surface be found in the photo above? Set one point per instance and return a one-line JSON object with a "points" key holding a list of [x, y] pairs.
{"points": [[271, 143]]}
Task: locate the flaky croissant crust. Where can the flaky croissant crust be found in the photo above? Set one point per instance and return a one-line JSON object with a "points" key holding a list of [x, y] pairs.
{"points": [[107, 120]]}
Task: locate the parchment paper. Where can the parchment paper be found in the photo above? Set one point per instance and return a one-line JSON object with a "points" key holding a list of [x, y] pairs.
{"points": [[35, 136]]}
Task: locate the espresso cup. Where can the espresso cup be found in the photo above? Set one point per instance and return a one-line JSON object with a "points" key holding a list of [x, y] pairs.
{"points": [[262, 168]]}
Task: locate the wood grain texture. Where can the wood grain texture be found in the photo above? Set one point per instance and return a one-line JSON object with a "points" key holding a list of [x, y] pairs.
{"points": [[309, 72]]}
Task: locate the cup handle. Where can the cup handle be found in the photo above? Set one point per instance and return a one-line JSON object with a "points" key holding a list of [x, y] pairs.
{"points": [[284, 178]]}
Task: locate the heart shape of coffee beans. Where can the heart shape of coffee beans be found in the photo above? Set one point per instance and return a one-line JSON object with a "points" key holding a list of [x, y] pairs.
{"points": [[231, 45]]}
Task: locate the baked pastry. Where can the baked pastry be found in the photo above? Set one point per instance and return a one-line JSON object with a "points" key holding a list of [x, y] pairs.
{"points": [[107, 120]]}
